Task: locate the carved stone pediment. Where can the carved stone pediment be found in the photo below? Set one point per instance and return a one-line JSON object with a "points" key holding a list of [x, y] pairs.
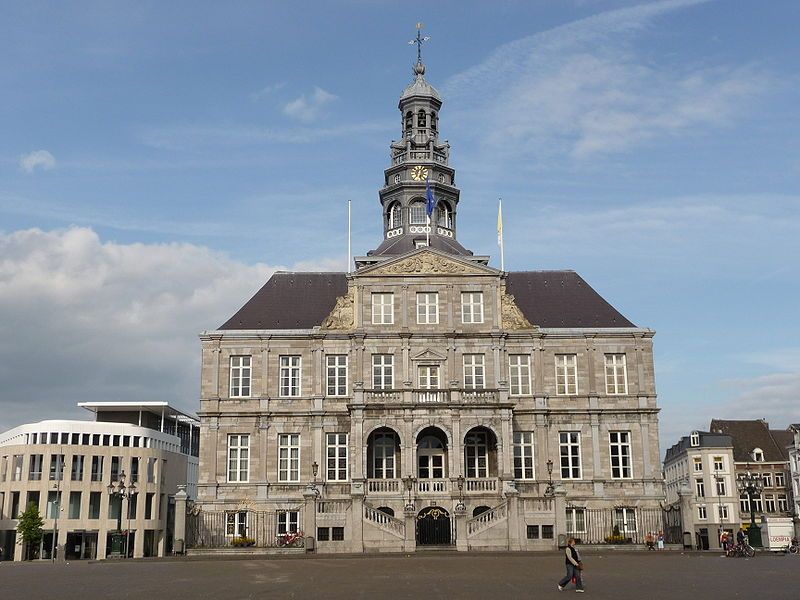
{"points": [[427, 262], [429, 354], [342, 316], [511, 315]]}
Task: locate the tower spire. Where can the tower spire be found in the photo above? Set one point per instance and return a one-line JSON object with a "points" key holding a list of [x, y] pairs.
{"points": [[419, 40]]}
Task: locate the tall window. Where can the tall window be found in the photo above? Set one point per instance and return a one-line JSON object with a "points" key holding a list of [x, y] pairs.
{"points": [[700, 488], [289, 457], [744, 503], [576, 521], [523, 455], [238, 458], [290, 376], [473, 372], [625, 519], [428, 377], [783, 503], [288, 521], [97, 468], [427, 308], [722, 489], [337, 374], [702, 514], [723, 512], [115, 467], [395, 213], [419, 215], [476, 450], [780, 480], [16, 467], [422, 120], [698, 464], [56, 467], [616, 374], [34, 467], [566, 374], [134, 469], [570, 451], [719, 463], [236, 523], [382, 309], [337, 456], [766, 479], [620, 445], [445, 216], [383, 459], [519, 374], [382, 371], [472, 307], [240, 376], [769, 503], [76, 474]]}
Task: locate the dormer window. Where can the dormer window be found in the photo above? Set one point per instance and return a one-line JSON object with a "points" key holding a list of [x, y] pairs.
{"points": [[758, 455], [422, 120], [694, 439]]}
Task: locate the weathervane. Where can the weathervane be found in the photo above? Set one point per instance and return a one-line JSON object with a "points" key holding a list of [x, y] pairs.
{"points": [[419, 40]]}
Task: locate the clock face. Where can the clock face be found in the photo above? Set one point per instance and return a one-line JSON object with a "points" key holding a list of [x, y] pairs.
{"points": [[419, 173]]}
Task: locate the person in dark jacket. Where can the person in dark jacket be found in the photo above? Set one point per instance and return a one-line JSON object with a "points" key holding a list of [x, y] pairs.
{"points": [[574, 567]]}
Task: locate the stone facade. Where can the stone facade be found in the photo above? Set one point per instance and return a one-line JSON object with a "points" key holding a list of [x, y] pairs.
{"points": [[429, 397]]}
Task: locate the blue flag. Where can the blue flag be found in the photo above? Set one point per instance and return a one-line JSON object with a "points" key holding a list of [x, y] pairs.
{"points": [[431, 204]]}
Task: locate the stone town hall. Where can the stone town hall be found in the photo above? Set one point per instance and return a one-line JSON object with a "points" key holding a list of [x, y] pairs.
{"points": [[426, 398]]}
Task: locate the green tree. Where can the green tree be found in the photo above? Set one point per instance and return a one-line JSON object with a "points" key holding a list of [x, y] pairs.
{"points": [[30, 527]]}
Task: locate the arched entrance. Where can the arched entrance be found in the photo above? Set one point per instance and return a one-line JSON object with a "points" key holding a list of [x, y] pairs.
{"points": [[433, 527]]}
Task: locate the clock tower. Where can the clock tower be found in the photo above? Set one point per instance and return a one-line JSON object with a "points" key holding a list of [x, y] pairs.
{"points": [[418, 160]]}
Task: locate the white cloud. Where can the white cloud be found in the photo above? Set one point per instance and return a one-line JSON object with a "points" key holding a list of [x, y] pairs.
{"points": [[580, 90], [90, 320], [309, 108], [267, 91], [40, 159]]}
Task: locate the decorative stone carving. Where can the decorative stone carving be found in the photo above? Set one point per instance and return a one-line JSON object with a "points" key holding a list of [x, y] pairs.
{"points": [[342, 315], [512, 317], [425, 263]]}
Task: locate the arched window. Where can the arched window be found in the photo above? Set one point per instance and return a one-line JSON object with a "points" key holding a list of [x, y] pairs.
{"points": [[433, 121], [758, 455], [421, 119], [479, 510], [445, 215], [418, 214], [476, 453], [395, 216], [409, 120]]}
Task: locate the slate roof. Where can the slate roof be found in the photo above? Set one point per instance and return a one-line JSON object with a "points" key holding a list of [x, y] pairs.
{"points": [[748, 435], [707, 440], [559, 299], [407, 243]]}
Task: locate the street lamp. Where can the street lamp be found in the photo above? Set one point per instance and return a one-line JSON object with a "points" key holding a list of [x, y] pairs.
{"points": [[57, 509], [118, 490], [751, 484], [549, 491], [313, 486], [718, 479], [460, 483], [409, 482]]}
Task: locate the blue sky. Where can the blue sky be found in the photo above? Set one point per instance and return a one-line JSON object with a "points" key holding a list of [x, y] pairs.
{"points": [[159, 160]]}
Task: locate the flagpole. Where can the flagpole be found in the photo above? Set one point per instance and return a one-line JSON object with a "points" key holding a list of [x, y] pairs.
{"points": [[349, 223], [428, 233], [500, 234]]}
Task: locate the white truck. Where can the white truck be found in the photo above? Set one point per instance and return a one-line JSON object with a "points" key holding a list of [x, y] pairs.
{"points": [[777, 533]]}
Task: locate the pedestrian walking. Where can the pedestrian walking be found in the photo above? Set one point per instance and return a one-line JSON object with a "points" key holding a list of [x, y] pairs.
{"points": [[572, 560]]}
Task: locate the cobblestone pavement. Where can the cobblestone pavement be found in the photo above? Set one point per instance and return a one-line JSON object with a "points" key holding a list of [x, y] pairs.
{"points": [[648, 576]]}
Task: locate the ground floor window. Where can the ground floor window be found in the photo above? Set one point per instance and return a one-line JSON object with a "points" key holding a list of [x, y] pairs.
{"points": [[533, 532], [576, 521], [625, 520], [330, 534], [288, 521], [236, 523], [547, 532]]}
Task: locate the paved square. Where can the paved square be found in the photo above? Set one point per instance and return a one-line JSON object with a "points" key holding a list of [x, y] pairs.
{"points": [[648, 576]]}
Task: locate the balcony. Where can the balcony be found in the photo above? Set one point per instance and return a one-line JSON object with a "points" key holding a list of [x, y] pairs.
{"points": [[385, 486], [433, 486], [429, 396], [481, 486], [418, 155]]}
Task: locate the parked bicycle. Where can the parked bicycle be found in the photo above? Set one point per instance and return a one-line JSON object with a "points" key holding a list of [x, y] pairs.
{"points": [[744, 550], [793, 547], [293, 539]]}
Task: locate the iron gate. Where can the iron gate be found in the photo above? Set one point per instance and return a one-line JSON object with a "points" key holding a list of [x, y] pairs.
{"points": [[433, 527]]}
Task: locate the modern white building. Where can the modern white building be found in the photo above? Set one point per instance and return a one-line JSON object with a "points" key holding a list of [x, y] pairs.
{"points": [[65, 468]]}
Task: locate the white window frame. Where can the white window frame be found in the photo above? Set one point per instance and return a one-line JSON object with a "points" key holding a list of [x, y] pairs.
{"points": [[236, 523], [576, 525], [428, 377], [476, 454], [569, 452], [783, 503], [524, 455], [780, 480], [694, 439], [616, 374], [241, 370], [769, 503], [519, 374], [382, 308], [384, 461], [758, 455], [288, 521], [697, 461], [336, 453], [722, 512], [766, 480], [336, 374], [719, 464], [290, 375], [721, 486], [383, 371], [238, 458], [472, 308], [289, 457], [623, 518], [427, 308], [702, 512], [619, 444], [417, 213], [566, 374], [700, 488], [474, 371]]}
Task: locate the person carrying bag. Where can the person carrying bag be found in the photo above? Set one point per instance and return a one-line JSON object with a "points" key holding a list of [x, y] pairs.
{"points": [[574, 564]]}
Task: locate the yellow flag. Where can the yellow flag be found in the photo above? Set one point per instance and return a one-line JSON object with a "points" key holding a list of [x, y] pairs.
{"points": [[500, 222]]}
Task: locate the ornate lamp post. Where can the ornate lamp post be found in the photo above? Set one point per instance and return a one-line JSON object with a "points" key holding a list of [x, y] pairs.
{"points": [[118, 490], [409, 483], [718, 481], [460, 483], [550, 489], [313, 486], [751, 484]]}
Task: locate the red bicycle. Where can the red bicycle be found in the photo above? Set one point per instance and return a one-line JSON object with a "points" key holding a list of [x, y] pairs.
{"points": [[292, 539]]}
